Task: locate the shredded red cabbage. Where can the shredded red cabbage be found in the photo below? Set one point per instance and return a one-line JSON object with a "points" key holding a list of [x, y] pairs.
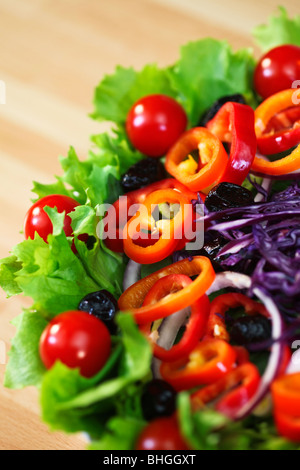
{"points": [[263, 241]]}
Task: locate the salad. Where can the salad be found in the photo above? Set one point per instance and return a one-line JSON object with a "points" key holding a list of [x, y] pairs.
{"points": [[164, 268]]}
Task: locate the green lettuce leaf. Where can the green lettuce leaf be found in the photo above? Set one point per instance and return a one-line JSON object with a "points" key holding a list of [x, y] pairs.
{"points": [[24, 365], [58, 187], [198, 427], [53, 275], [97, 178], [116, 145], [207, 429], [104, 266], [120, 434], [8, 268], [208, 69], [279, 30]]}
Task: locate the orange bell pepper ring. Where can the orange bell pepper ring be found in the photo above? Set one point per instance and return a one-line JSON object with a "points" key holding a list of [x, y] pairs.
{"points": [[286, 394], [212, 159], [166, 232], [118, 214], [132, 299], [271, 142], [285, 391]]}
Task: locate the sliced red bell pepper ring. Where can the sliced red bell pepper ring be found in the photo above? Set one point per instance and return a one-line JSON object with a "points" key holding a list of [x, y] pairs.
{"points": [[234, 123], [216, 327], [166, 285], [286, 394], [287, 426], [240, 384], [166, 232], [212, 159], [133, 297], [242, 355], [119, 213], [209, 361], [277, 123], [195, 326], [283, 121], [282, 132]]}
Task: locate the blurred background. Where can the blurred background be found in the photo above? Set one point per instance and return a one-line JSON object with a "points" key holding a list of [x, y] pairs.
{"points": [[52, 55]]}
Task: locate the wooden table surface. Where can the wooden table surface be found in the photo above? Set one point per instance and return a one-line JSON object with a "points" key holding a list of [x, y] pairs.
{"points": [[52, 54]]}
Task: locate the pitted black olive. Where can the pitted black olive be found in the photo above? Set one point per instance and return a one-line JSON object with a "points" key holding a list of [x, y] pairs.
{"points": [[142, 173], [226, 195], [102, 305], [250, 329], [213, 242], [158, 399]]}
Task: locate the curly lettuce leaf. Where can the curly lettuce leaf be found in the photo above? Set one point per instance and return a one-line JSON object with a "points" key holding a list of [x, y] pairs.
{"points": [[207, 70], [115, 145], [8, 268], [51, 274], [279, 30], [97, 178], [57, 187]]}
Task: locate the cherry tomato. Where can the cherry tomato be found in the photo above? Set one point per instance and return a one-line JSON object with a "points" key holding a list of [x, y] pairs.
{"points": [[277, 70], [154, 123], [78, 340], [36, 219], [161, 434]]}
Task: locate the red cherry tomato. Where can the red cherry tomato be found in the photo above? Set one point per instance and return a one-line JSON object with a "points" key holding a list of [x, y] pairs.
{"points": [[277, 70], [78, 340], [36, 219], [161, 434], [154, 123]]}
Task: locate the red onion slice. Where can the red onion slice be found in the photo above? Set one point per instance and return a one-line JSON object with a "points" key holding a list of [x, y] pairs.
{"points": [[241, 281], [265, 184], [132, 274], [167, 334], [229, 279], [170, 327], [276, 352]]}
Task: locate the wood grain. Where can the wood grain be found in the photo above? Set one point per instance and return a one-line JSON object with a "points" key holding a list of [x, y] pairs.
{"points": [[52, 54]]}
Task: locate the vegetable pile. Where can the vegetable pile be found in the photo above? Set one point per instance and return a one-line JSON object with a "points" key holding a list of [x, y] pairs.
{"points": [[164, 268]]}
